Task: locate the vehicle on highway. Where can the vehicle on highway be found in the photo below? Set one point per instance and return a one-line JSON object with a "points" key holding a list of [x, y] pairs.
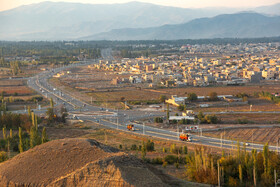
{"points": [[130, 127], [185, 137]]}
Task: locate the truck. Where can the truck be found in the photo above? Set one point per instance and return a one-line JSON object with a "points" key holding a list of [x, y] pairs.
{"points": [[130, 127], [185, 137]]}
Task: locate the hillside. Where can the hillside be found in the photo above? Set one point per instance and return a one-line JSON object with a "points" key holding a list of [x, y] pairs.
{"points": [[78, 162], [241, 25]]}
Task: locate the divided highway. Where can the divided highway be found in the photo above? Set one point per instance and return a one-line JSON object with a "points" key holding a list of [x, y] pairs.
{"points": [[117, 119]]}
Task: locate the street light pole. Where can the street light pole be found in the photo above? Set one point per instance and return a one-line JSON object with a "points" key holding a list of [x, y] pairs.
{"points": [[221, 140], [178, 132]]}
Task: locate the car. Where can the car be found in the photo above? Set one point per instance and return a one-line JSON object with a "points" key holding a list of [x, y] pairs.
{"points": [[247, 144]]}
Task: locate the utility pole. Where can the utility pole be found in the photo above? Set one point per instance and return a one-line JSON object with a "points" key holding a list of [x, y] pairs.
{"points": [[278, 139], [221, 140], [117, 119], [144, 128], [178, 132]]}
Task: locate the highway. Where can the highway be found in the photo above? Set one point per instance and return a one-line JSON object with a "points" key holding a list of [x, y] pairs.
{"points": [[118, 119]]}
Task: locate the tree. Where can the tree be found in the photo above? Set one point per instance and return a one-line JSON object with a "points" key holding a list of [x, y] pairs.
{"points": [[192, 96], [50, 114], [44, 136], [240, 173], [167, 112], [29, 111], [265, 158], [213, 96], [150, 146], [33, 137], [143, 150], [20, 145], [11, 133], [181, 107], [4, 133], [33, 118], [162, 98], [51, 103]]}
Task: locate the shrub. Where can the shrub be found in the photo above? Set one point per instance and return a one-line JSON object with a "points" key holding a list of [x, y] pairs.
{"points": [[192, 96], [3, 156], [133, 147], [181, 107], [170, 159], [150, 146], [243, 120], [164, 164], [158, 120], [185, 150], [157, 160]]}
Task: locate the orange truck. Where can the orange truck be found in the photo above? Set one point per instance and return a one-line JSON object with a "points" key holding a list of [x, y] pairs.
{"points": [[185, 137], [130, 127]]}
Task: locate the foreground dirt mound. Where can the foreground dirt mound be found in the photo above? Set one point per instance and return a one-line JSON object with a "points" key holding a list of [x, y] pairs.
{"points": [[77, 162]]}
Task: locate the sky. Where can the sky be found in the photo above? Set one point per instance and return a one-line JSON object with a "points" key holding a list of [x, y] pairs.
{"points": [[9, 4]]}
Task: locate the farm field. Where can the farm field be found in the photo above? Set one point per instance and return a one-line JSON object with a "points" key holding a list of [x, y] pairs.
{"points": [[18, 95], [256, 135], [257, 118]]}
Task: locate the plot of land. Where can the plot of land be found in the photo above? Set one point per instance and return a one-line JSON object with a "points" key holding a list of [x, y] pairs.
{"points": [[257, 135]]}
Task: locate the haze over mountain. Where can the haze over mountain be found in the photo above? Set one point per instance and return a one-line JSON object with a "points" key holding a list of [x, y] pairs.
{"points": [[241, 25], [70, 21]]}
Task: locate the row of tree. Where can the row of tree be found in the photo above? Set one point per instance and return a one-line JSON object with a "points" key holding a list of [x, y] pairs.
{"points": [[237, 169]]}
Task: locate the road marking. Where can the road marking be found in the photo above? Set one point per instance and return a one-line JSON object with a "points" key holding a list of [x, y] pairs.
{"points": [[234, 145], [113, 122], [161, 134]]}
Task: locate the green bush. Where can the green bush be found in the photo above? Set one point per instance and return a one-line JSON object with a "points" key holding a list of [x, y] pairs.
{"points": [[157, 160], [158, 120], [3, 156], [150, 146], [133, 147], [170, 159], [243, 120]]}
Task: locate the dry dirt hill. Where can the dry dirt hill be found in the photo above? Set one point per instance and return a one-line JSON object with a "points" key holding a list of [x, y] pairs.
{"points": [[78, 162]]}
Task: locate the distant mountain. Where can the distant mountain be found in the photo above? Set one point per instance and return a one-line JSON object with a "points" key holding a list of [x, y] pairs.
{"points": [[63, 21], [71, 21], [241, 25], [269, 10]]}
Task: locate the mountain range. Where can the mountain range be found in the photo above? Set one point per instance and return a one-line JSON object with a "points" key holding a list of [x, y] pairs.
{"points": [[241, 25], [134, 20]]}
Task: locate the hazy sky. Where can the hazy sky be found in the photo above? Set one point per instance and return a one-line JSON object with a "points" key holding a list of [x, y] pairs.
{"points": [[8, 4]]}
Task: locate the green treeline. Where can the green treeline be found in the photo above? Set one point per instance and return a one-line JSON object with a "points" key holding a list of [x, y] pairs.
{"points": [[240, 169], [28, 135], [268, 96]]}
